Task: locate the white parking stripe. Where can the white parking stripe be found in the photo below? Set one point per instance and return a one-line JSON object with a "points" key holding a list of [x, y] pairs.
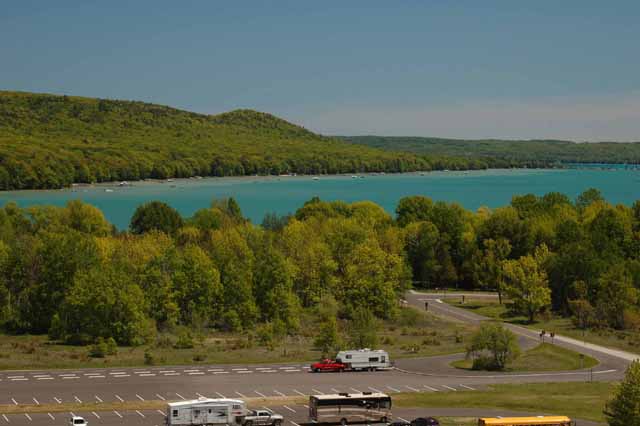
{"points": [[36, 401], [59, 401], [51, 416], [221, 395], [171, 374], [241, 395], [163, 414], [298, 392], [117, 414], [5, 417], [375, 390], [467, 387], [335, 390], [317, 392], [161, 397], [141, 415], [449, 387], [139, 397], [78, 399], [260, 393], [289, 408], [199, 395], [279, 393], [28, 416], [294, 423], [148, 374], [180, 396], [393, 389], [431, 389], [14, 401], [413, 389], [95, 414], [120, 399], [44, 378], [404, 420], [96, 377]]}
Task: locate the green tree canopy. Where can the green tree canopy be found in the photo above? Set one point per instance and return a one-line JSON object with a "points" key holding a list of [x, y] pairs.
{"points": [[155, 215]]}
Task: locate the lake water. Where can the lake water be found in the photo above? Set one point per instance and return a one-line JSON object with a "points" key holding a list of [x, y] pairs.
{"points": [[260, 195]]}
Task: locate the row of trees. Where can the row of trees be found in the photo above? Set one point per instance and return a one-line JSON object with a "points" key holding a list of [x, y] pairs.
{"points": [[68, 272]]}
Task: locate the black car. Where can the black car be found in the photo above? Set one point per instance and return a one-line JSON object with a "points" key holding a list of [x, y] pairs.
{"points": [[425, 421], [399, 423]]}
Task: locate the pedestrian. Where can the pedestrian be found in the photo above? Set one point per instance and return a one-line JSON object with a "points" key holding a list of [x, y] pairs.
{"points": [[426, 306]]}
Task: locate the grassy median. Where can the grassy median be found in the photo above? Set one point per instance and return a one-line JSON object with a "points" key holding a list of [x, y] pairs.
{"points": [[544, 357]]}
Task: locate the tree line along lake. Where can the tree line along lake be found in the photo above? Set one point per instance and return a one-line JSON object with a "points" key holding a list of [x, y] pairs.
{"points": [[284, 194]]}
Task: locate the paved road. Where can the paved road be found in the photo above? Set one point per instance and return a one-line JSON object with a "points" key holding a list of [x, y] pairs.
{"points": [[243, 381], [295, 415], [612, 365]]}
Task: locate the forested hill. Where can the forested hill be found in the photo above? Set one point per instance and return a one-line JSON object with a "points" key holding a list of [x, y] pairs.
{"points": [[49, 141], [519, 151]]}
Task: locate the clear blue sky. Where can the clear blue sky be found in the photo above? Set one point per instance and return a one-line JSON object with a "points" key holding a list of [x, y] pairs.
{"points": [[566, 69]]}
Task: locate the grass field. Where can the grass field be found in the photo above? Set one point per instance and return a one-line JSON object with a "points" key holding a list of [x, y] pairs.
{"points": [[624, 340], [544, 357], [579, 400], [414, 333]]}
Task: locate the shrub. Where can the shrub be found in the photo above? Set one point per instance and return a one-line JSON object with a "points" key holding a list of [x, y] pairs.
{"points": [[99, 349], [199, 357], [149, 358], [185, 340], [409, 317], [112, 346], [493, 346]]}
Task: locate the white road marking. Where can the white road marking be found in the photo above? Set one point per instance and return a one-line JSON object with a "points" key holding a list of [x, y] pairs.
{"points": [[294, 423], [404, 420], [141, 372], [96, 377], [162, 413], [305, 406], [141, 415], [449, 387], [432, 389], [75, 377], [335, 390], [292, 370], [298, 392], [191, 371], [413, 389], [66, 375], [44, 378], [180, 396], [139, 397], [51, 416], [317, 391], [15, 377], [121, 400], [268, 371], [289, 408], [279, 393], [5, 417], [239, 372], [467, 387], [14, 401], [59, 401], [24, 378], [196, 374], [28, 416], [221, 395], [95, 414], [161, 397], [355, 390], [239, 369], [147, 374], [122, 375], [77, 399], [36, 401], [260, 393], [41, 375], [241, 395], [215, 369], [393, 389], [261, 368], [166, 371], [375, 390], [117, 414], [98, 398], [199, 395], [118, 372], [171, 374]]}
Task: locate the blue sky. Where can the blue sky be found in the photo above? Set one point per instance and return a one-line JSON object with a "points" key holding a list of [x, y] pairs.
{"points": [[544, 69]]}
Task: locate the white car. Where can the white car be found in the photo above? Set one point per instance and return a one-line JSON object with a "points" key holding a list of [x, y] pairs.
{"points": [[77, 421]]}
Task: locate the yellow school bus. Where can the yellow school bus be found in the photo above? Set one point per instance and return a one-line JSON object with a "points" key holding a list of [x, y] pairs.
{"points": [[527, 421]]}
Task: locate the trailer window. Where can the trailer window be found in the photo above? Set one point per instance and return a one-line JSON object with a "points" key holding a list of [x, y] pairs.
{"points": [[348, 356], [382, 359], [236, 407], [175, 413], [374, 359], [196, 413]]}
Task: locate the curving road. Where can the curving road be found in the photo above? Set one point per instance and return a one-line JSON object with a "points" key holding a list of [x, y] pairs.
{"points": [[249, 381]]}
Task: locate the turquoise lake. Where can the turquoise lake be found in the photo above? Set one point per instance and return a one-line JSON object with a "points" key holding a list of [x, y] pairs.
{"points": [[260, 195]]}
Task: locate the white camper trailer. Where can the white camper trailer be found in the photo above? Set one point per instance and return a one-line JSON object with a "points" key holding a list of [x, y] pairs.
{"points": [[205, 411], [364, 359]]}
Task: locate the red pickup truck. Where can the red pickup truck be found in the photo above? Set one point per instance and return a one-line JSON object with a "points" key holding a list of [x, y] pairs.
{"points": [[327, 365]]}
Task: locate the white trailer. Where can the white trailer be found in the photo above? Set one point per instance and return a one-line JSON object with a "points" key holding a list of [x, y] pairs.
{"points": [[364, 359], [205, 411]]}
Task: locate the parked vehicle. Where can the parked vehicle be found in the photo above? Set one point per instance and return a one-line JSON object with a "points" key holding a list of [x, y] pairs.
{"points": [[364, 359], [206, 411], [344, 408], [425, 421], [327, 365], [261, 418], [77, 421]]}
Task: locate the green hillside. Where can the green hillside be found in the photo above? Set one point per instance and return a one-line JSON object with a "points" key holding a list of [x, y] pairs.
{"points": [[531, 152], [49, 141]]}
